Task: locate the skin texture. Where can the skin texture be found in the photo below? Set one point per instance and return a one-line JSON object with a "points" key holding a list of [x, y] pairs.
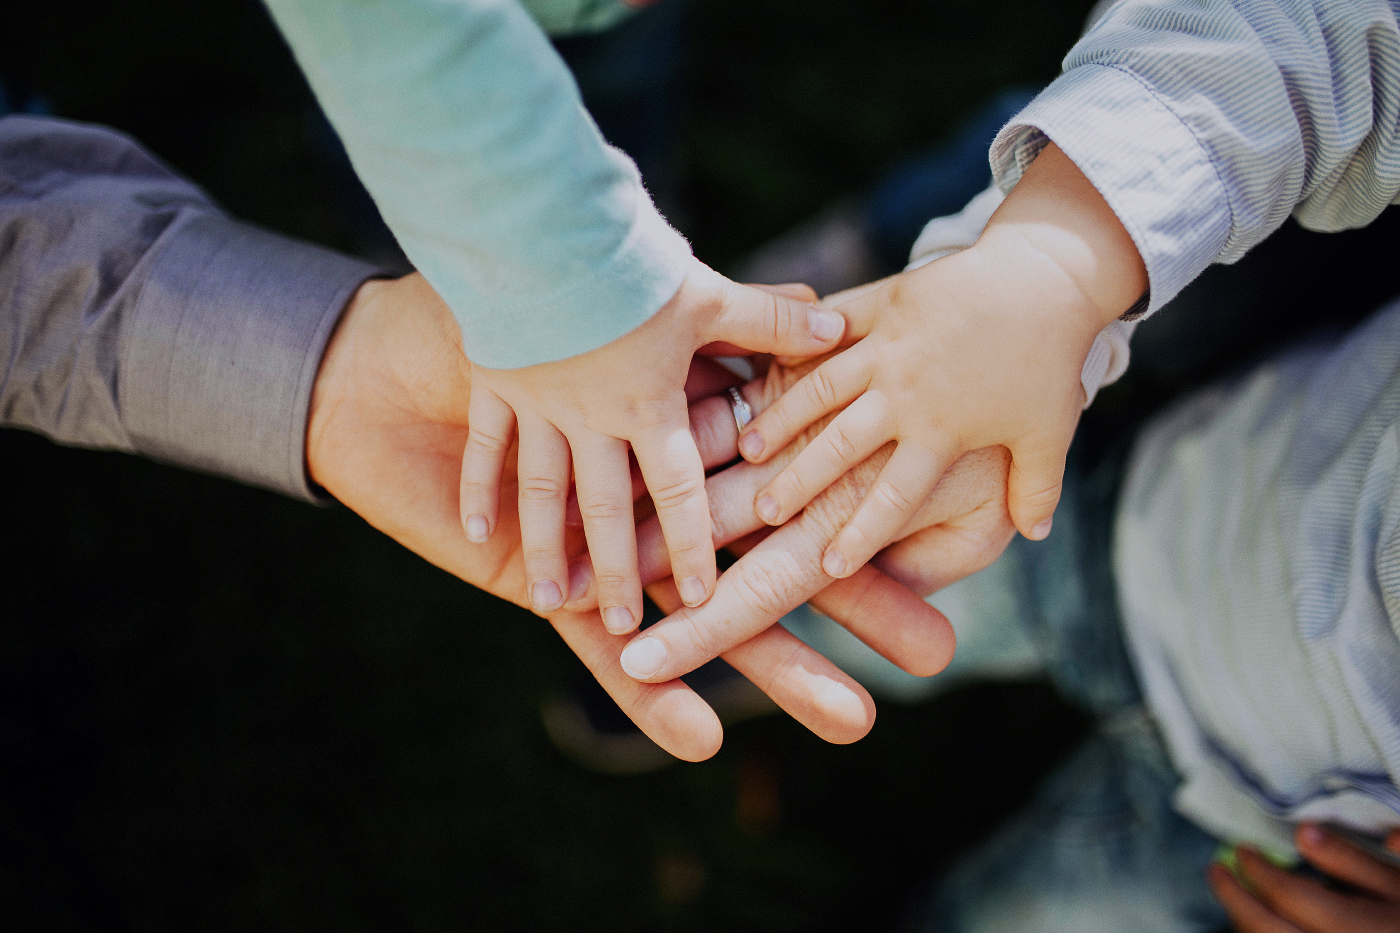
{"points": [[591, 410], [962, 527], [1269, 899], [387, 427], [981, 348]]}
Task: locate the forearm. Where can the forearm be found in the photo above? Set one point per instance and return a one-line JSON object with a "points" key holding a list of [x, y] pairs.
{"points": [[139, 318], [1205, 126], [468, 131]]}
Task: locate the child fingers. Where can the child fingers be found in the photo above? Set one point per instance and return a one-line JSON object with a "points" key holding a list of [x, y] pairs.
{"points": [[1339, 859], [604, 486], [491, 425], [763, 322], [851, 437], [1247, 914], [1034, 483], [904, 484], [544, 487], [832, 385], [675, 479], [1299, 900]]}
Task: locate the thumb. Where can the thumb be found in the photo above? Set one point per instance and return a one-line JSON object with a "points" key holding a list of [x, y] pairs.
{"points": [[768, 322], [1034, 483]]}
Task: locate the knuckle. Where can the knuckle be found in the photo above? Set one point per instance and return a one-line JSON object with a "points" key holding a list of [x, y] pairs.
{"points": [[767, 588], [821, 389], [611, 581], [840, 449], [486, 443], [603, 510], [676, 494], [541, 489], [890, 498]]}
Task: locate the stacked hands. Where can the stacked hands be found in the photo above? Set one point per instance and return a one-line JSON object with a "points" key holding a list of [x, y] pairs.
{"points": [[972, 357], [938, 419]]}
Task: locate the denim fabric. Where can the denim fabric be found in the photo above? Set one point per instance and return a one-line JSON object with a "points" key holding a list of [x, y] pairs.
{"points": [[1100, 848]]}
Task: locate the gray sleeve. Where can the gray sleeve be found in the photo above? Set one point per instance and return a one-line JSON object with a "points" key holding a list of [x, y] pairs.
{"points": [[135, 316]]}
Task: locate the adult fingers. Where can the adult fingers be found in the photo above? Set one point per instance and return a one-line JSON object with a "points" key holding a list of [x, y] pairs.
{"points": [[938, 556], [832, 385], [675, 477], [492, 425], [764, 322], [1247, 914], [766, 583], [807, 686], [671, 714], [1340, 859], [881, 612], [852, 436], [904, 483], [603, 481], [544, 485]]}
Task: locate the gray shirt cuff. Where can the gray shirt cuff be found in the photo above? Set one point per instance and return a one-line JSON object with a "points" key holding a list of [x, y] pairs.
{"points": [[223, 349]]}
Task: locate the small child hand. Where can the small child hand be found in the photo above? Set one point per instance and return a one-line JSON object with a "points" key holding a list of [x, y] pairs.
{"points": [[588, 409], [980, 348]]}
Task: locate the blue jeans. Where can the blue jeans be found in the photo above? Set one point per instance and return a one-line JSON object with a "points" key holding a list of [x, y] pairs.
{"points": [[1100, 847]]}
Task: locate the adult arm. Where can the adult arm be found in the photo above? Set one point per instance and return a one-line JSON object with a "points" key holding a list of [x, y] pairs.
{"points": [[135, 316], [468, 131], [1204, 126]]}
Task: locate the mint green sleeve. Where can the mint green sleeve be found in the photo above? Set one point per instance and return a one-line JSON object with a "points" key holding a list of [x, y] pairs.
{"points": [[469, 133]]}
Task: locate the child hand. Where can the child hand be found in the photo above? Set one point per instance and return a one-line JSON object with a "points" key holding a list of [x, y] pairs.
{"points": [[587, 409], [980, 348], [1279, 901]]}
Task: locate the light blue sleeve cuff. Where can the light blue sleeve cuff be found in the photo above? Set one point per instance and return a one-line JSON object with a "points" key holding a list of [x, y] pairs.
{"points": [[594, 306], [1147, 164]]}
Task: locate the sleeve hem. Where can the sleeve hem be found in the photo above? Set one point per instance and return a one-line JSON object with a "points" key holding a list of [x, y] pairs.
{"points": [[222, 350], [1145, 161]]}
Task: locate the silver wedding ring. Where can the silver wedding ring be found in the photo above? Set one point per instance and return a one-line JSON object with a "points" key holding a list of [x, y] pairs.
{"points": [[743, 414]]}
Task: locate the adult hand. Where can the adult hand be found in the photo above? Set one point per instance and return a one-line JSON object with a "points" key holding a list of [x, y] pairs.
{"points": [[962, 527], [1274, 900], [387, 428]]}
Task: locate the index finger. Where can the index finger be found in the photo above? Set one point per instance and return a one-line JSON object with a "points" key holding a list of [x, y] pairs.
{"points": [[776, 577]]}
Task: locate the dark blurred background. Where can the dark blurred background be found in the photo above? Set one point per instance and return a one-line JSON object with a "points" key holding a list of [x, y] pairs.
{"points": [[224, 710]]}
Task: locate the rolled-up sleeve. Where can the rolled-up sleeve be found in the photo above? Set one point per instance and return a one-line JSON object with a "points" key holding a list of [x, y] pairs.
{"points": [[137, 317], [1205, 125]]}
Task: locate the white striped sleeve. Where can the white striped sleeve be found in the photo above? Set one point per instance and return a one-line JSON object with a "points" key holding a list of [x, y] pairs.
{"points": [[1205, 125]]}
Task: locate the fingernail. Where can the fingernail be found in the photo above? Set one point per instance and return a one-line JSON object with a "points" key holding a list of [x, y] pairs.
{"points": [[618, 620], [644, 657], [751, 444], [767, 508], [1312, 836], [834, 563], [1042, 531], [692, 591], [545, 596], [580, 575], [478, 529], [824, 324]]}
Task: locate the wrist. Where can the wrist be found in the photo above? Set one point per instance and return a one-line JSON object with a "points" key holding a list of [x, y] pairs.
{"points": [[1056, 214]]}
